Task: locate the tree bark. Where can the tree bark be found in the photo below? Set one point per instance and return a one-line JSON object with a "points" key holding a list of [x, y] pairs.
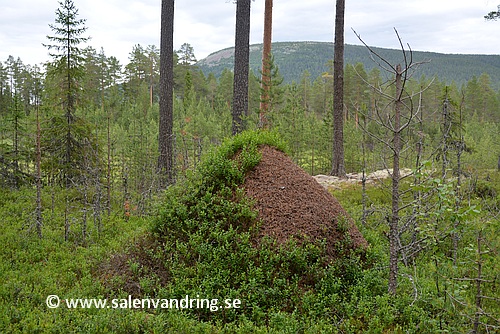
{"points": [[394, 222], [38, 162], [241, 65], [165, 136], [477, 315], [338, 164], [266, 58]]}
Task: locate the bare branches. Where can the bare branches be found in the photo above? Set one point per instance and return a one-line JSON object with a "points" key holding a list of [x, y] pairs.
{"points": [[384, 64], [394, 115]]}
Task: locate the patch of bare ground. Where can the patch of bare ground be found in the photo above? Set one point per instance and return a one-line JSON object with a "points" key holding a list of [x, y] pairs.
{"points": [[124, 270]]}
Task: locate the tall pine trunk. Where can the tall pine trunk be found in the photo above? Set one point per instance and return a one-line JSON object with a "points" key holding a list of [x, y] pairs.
{"points": [[241, 65], [266, 70], [165, 137], [338, 165]]}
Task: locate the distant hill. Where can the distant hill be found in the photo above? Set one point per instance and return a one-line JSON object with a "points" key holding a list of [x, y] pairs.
{"points": [[293, 58]]}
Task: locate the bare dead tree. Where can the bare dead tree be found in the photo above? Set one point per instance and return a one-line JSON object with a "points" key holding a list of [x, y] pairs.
{"points": [[395, 117], [396, 148], [108, 162]]}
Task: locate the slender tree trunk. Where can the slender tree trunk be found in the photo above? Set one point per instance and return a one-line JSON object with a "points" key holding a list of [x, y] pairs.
{"points": [[85, 209], [69, 108], [38, 162], [394, 221], [126, 194], [266, 58], [108, 172], [364, 195], [446, 136], [66, 218], [241, 65], [165, 137], [478, 280], [417, 195], [16, 113], [151, 82], [460, 148], [97, 205], [338, 165]]}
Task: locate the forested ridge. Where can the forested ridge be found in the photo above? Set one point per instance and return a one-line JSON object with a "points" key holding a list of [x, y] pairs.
{"points": [[293, 58], [84, 213]]}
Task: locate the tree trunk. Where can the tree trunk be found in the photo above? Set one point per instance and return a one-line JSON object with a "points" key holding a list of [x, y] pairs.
{"points": [[69, 109], [108, 172], [165, 136], [446, 136], [479, 293], [338, 165], [241, 65], [266, 58], [38, 162], [394, 221]]}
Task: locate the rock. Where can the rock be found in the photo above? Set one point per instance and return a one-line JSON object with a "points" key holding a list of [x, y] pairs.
{"points": [[328, 181]]}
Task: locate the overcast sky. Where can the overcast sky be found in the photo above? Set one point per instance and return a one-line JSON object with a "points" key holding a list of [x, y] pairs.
{"points": [[446, 26]]}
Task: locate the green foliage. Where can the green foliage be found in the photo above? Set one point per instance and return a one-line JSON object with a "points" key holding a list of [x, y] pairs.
{"points": [[284, 289], [208, 231], [75, 140], [33, 268], [207, 194]]}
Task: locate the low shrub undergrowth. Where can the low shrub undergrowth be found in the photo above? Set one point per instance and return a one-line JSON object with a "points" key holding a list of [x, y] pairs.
{"points": [[205, 242], [207, 227]]}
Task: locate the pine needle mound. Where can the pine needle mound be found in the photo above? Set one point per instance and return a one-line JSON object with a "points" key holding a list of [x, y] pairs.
{"points": [[250, 224], [291, 203]]}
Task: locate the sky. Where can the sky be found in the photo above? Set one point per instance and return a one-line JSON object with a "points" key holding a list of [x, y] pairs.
{"points": [[445, 26]]}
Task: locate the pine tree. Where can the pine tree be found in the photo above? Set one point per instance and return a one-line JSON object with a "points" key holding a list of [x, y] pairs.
{"points": [[271, 91], [186, 54]]}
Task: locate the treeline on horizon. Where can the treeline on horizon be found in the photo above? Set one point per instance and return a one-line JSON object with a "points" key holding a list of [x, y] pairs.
{"points": [[293, 58], [117, 111]]}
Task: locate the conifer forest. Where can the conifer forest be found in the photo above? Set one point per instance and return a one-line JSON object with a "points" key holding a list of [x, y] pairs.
{"points": [[105, 197]]}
